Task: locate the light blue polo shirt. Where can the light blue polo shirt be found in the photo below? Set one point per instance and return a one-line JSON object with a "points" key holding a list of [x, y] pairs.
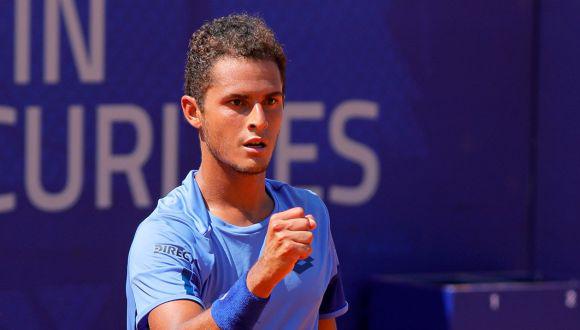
{"points": [[181, 251]]}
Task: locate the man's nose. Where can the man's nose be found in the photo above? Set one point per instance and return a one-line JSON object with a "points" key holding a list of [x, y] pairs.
{"points": [[257, 118]]}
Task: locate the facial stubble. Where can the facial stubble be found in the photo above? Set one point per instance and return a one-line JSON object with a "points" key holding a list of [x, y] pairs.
{"points": [[218, 154]]}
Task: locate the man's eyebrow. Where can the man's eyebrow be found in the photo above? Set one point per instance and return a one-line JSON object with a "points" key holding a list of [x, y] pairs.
{"points": [[244, 96], [275, 94], [236, 96]]}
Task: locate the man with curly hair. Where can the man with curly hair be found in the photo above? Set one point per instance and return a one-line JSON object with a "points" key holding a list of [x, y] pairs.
{"points": [[229, 248]]}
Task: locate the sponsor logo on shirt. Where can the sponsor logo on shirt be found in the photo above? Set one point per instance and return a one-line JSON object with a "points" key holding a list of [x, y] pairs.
{"points": [[302, 265], [173, 250]]}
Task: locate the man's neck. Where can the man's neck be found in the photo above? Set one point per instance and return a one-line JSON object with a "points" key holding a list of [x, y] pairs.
{"points": [[237, 198]]}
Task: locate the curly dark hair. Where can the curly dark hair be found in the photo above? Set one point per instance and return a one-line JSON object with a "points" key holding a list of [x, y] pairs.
{"points": [[238, 35]]}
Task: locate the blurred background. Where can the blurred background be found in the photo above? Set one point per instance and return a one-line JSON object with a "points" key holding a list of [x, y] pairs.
{"points": [[442, 135]]}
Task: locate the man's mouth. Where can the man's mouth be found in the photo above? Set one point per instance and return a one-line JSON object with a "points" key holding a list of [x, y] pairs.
{"points": [[256, 143]]}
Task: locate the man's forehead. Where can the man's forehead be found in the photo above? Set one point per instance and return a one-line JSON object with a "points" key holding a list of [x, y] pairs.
{"points": [[244, 75]]}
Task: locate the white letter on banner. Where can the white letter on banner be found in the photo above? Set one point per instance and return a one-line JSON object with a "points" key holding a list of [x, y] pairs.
{"points": [[90, 66], [170, 147], [22, 41], [7, 117], [286, 152], [130, 164], [355, 152], [40, 198]]}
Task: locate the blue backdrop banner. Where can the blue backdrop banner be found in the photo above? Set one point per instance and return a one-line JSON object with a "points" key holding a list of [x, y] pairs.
{"points": [[409, 118]]}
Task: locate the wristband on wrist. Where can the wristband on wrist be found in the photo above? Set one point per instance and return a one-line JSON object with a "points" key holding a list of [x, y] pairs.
{"points": [[238, 308]]}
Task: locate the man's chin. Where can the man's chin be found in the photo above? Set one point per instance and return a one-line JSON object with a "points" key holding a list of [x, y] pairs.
{"points": [[250, 170], [245, 167], [253, 168]]}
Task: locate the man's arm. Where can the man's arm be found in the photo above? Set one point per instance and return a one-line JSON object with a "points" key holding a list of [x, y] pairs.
{"points": [[288, 240], [327, 324], [181, 314]]}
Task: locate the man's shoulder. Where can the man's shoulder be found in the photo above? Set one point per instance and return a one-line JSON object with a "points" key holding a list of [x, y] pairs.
{"points": [[157, 233], [165, 237], [182, 206], [178, 216]]}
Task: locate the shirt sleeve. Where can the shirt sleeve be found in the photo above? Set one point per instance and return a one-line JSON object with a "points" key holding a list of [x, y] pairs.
{"points": [[162, 267], [334, 303]]}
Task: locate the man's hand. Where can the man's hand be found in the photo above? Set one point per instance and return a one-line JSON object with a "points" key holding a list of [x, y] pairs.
{"points": [[288, 240]]}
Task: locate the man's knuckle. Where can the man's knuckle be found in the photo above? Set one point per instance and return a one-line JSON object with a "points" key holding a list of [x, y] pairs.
{"points": [[286, 246], [282, 236], [297, 211], [277, 226]]}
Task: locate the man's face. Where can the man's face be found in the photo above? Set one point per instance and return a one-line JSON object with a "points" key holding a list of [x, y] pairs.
{"points": [[242, 113]]}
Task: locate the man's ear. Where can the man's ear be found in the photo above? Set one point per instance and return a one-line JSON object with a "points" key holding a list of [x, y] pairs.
{"points": [[191, 111]]}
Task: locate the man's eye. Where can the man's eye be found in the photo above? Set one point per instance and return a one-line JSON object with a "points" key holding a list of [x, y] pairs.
{"points": [[272, 101], [236, 102]]}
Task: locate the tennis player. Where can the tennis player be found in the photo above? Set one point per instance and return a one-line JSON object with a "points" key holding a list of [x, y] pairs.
{"points": [[229, 248]]}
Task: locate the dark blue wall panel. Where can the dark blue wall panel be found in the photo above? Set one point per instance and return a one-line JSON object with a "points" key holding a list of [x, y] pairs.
{"points": [[558, 227]]}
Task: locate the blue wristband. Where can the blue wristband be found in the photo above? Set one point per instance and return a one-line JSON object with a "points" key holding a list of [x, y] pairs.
{"points": [[238, 308]]}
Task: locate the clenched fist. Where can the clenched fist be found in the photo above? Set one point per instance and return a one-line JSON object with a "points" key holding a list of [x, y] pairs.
{"points": [[288, 240]]}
